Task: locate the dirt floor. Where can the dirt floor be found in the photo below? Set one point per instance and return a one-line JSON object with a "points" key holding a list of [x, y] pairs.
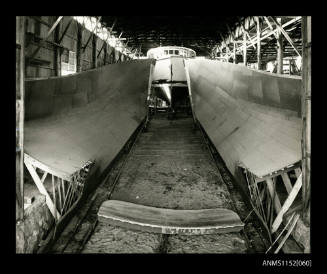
{"points": [[169, 167]]}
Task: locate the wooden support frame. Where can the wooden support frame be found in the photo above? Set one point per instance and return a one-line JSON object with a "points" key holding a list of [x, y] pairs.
{"points": [[288, 202], [41, 188], [252, 41], [62, 200], [272, 222]]}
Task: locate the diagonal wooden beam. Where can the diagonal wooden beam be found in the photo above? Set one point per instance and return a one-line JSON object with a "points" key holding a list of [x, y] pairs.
{"points": [[44, 176], [285, 34], [92, 33], [45, 38], [103, 45], [270, 26], [64, 32]]}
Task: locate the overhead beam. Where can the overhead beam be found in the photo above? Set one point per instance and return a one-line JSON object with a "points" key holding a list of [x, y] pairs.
{"points": [[253, 40]]}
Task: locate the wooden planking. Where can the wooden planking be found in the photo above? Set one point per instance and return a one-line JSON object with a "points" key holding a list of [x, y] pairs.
{"points": [[169, 221]]}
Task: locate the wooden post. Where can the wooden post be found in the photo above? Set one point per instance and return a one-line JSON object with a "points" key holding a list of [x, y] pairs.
{"points": [[105, 54], [57, 52], [234, 53], [94, 51], [79, 53], [244, 49], [258, 42], [279, 50], [20, 93], [306, 111]]}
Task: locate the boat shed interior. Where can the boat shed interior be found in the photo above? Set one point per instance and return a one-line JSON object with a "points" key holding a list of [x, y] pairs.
{"points": [[163, 134]]}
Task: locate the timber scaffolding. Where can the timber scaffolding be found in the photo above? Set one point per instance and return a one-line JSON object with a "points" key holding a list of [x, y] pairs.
{"points": [[258, 39]]}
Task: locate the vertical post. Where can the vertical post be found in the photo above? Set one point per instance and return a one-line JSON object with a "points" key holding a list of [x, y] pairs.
{"points": [[57, 51], [258, 42], [306, 111], [244, 49], [20, 93], [105, 54], [79, 52], [94, 51], [234, 53], [279, 50]]}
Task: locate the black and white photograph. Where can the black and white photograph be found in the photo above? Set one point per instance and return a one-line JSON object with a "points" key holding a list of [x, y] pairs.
{"points": [[163, 135]]}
